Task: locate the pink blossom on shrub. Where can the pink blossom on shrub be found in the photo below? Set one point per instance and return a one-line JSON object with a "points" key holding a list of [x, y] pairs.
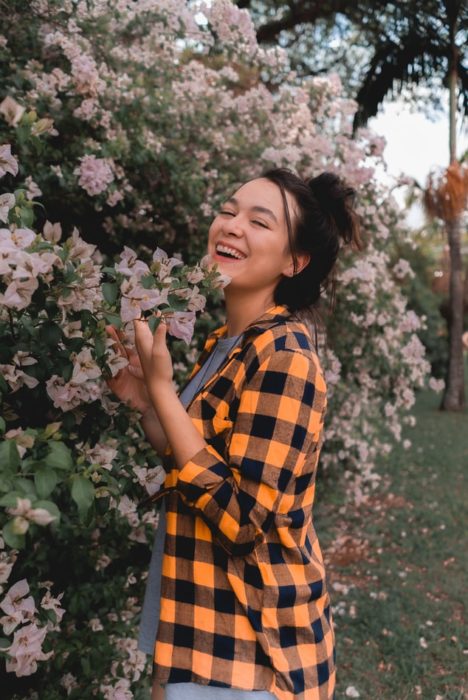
{"points": [[8, 162], [26, 650], [17, 607], [11, 110], [95, 174]]}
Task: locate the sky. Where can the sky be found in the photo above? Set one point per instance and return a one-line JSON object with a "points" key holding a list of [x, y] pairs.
{"points": [[415, 146]]}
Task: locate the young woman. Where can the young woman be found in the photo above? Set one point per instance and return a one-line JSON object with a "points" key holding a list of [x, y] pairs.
{"points": [[237, 605]]}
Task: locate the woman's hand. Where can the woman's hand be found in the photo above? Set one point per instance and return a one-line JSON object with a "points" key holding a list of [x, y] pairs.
{"points": [[154, 355], [129, 384]]}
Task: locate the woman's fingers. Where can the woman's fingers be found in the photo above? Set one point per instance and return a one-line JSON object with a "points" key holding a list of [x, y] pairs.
{"points": [[117, 336], [136, 371]]}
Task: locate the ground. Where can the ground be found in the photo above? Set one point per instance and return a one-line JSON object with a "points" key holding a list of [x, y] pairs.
{"points": [[397, 568]]}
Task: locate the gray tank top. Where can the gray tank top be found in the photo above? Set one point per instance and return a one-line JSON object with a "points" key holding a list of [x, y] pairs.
{"points": [[150, 611]]}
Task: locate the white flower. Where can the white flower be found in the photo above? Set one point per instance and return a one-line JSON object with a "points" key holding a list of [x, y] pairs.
{"points": [[352, 692]]}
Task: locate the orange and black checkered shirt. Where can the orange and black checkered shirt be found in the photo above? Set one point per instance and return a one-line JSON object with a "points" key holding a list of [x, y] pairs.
{"points": [[244, 602]]}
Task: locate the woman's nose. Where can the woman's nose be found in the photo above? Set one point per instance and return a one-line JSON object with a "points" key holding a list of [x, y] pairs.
{"points": [[235, 225]]}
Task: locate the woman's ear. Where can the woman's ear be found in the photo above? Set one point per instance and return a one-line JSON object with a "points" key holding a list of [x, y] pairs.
{"points": [[303, 259]]}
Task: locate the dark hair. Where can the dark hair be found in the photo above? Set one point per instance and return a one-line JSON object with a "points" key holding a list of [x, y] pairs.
{"points": [[326, 220]]}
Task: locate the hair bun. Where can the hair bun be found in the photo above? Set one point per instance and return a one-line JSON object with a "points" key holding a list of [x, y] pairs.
{"points": [[336, 201]]}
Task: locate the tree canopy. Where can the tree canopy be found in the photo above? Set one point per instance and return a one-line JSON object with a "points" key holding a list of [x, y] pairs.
{"points": [[376, 47]]}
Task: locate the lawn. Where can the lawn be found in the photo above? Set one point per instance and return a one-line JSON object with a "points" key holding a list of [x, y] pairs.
{"points": [[398, 568]]}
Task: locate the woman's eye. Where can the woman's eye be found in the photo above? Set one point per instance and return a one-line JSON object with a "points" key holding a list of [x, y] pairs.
{"points": [[228, 213], [260, 223]]}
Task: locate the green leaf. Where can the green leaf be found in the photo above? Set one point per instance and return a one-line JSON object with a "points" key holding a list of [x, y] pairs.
{"points": [[67, 371], [59, 457], [99, 346], [177, 303], [153, 323], [9, 455], [26, 486], [50, 507], [4, 642], [6, 483], [4, 388], [9, 499], [109, 291], [82, 492], [2, 425], [12, 539], [26, 216], [148, 281], [46, 480], [50, 333], [111, 271], [113, 319]]}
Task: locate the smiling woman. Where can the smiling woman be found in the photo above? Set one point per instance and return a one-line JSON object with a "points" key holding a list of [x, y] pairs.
{"points": [[237, 604]]}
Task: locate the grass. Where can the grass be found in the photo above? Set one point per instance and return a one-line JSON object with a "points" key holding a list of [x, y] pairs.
{"points": [[401, 623]]}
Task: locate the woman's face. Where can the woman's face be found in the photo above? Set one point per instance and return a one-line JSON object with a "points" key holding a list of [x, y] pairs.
{"points": [[253, 223]]}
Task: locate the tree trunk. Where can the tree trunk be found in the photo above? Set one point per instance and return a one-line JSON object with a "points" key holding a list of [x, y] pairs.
{"points": [[454, 397]]}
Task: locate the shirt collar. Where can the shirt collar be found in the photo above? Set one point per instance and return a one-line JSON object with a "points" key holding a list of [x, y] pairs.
{"points": [[273, 315]]}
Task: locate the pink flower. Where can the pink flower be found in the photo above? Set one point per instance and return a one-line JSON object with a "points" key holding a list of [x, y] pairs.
{"points": [[8, 162], [52, 232], [32, 189], [129, 309], [165, 263], [95, 174], [7, 202], [19, 238], [48, 602], [26, 650], [40, 516], [18, 609], [64, 395], [129, 265], [181, 325], [69, 682], [18, 295], [151, 479], [114, 198], [11, 111], [196, 275], [84, 367]]}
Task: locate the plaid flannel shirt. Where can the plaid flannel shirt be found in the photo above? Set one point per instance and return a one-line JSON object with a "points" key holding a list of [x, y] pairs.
{"points": [[244, 601]]}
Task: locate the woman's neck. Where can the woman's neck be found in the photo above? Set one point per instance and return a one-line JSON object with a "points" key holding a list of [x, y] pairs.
{"points": [[242, 311]]}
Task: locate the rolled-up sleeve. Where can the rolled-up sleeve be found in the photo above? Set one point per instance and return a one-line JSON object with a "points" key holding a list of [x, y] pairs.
{"points": [[278, 423]]}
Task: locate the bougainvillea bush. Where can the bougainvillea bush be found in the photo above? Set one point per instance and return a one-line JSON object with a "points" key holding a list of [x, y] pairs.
{"points": [[122, 126], [74, 461]]}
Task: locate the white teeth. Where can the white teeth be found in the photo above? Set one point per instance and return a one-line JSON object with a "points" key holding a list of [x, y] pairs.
{"points": [[231, 251]]}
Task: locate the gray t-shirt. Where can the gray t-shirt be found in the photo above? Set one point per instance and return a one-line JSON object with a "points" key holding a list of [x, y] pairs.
{"points": [[150, 612]]}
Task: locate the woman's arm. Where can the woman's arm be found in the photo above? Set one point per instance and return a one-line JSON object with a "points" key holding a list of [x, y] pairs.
{"points": [[154, 431], [275, 440]]}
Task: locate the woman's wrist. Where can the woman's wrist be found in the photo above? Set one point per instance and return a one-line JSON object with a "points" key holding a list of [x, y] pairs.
{"points": [[149, 410]]}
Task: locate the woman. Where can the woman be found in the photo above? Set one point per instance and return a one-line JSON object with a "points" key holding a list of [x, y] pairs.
{"points": [[244, 608]]}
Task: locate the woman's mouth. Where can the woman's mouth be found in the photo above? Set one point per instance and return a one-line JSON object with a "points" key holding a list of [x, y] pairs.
{"points": [[225, 258], [226, 253]]}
